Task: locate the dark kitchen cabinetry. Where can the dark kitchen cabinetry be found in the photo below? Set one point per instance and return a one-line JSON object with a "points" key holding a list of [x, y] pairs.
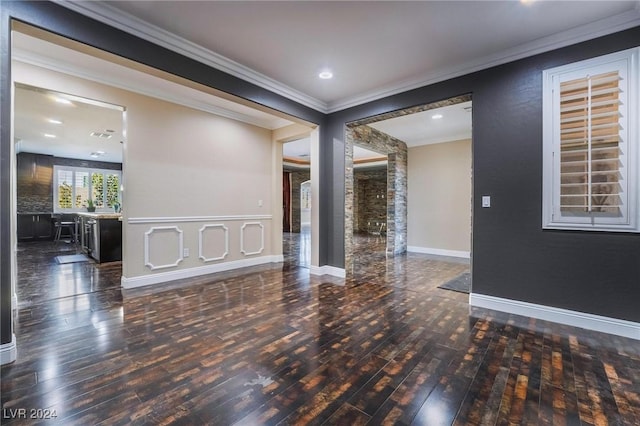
{"points": [[35, 226], [34, 184]]}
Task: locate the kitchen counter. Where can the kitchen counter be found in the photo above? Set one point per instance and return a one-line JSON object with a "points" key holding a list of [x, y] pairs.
{"points": [[101, 235], [100, 215]]}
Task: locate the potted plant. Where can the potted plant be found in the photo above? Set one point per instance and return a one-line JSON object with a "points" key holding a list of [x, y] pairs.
{"points": [[90, 206]]}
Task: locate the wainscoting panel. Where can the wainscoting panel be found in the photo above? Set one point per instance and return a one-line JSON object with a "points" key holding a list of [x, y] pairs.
{"points": [[160, 249], [251, 238], [213, 242], [163, 247]]}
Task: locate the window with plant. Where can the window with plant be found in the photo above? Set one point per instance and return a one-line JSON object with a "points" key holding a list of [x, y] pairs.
{"points": [[76, 188]]}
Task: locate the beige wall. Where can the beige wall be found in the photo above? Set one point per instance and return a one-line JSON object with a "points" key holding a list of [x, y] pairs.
{"points": [[184, 169], [439, 198]]}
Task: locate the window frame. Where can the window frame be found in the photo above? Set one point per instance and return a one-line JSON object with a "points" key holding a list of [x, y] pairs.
{"points": [[90, 171], [552, 216]]}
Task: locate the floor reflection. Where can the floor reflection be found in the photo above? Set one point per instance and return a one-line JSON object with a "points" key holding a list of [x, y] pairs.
{"points": [[272, 344]]}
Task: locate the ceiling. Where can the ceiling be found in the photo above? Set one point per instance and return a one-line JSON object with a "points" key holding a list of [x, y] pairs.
{"points": [[361, 42], [77, 128], [373, 48]]}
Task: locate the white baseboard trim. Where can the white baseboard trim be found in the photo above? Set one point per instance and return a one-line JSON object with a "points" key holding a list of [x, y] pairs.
{"points": [[614, 326], [8, 351], [328, 270], [439, 252], [163, 277]]}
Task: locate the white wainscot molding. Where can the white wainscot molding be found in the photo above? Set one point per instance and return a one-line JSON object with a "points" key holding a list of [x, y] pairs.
{"points": [[183, 219], [207, 232], [249, 225], [614, 326], [179, 246]]}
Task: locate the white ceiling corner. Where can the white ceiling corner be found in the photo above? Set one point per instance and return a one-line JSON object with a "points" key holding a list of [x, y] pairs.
{"points": [[600, 18], [135, 26]]}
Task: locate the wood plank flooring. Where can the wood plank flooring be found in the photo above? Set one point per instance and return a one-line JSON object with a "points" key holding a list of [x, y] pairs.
{"points": [[273, 345]]}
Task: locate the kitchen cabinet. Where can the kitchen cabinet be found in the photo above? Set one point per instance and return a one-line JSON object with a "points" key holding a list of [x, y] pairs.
{"points": [[101, 236], [34, 226], [34, 183]]}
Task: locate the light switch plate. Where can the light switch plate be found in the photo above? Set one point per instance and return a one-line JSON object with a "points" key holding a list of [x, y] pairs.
{"points": [[486, 201]]}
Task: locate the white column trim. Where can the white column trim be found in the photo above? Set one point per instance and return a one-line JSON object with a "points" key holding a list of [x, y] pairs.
{"points": [[9, 351], [328, 270]]}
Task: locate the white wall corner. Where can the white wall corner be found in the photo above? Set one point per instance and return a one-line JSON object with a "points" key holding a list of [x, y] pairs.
{"points": [[599, 323], [9, 351]]}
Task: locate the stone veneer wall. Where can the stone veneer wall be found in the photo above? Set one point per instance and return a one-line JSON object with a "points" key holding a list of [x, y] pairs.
{"points": [[370, 204], [297, 177], [396, 151], [360, 134], [34, 193]]}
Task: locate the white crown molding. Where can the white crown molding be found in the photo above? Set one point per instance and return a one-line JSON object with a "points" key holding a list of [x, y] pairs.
{"points": [[563, 316], [154, 34], [575, 35], [139, 28], [108, 79]]}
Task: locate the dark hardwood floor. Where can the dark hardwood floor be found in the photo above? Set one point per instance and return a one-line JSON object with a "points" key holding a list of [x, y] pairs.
{"points": [[273, 345]]}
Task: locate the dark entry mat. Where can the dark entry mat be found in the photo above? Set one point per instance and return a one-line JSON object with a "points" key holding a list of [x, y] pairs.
{"points": [[461, 283], [72, 258]]}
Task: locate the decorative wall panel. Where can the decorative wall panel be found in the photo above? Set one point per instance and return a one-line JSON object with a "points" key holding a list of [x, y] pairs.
{"points": [[163, 247], [213, 242], [251, 238]]}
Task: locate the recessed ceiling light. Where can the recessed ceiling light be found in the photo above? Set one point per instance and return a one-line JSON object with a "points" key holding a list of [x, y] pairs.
{"points": [[54, 121], [49, 135], [436, 116], [63, 101], [100, 152], [325, 75]]}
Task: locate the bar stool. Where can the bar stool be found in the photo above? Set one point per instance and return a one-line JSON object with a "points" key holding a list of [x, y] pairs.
{"points": [[61, 222]]}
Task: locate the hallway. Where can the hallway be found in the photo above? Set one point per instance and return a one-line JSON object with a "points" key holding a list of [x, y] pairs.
{"points": [[271, 344]]}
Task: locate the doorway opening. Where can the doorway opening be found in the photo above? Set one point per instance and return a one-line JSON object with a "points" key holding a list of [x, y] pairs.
{"points": [[419, 205], [69, 182], [296, 202]]}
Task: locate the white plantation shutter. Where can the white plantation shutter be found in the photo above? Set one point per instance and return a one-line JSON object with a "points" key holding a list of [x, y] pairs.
{"points": [[591, 144]]}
